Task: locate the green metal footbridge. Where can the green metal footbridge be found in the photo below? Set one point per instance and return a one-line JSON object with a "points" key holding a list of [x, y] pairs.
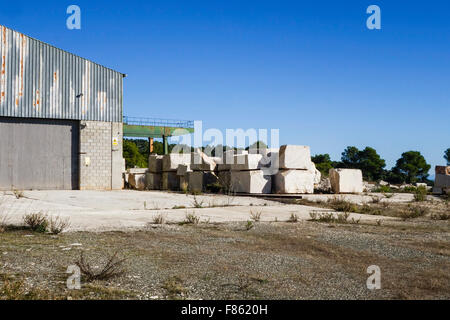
{"points": [[156, 128]]}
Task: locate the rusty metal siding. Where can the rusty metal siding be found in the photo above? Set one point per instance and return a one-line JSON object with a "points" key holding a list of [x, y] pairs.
{"points": [[38, 80]]}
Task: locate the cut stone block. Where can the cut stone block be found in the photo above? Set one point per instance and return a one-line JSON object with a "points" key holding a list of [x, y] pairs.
{"points": [[155, 163], [247, 162], [346, 180], [184, 182], [183, 169], [170, 181], [173, 160], [201, 162], [253, 181], [224, 178], [196, 181], [153, 181], [137, 181], [294, 157], [137, 170], [442, 181], [294, 181], [199, 180], [317, 174]]}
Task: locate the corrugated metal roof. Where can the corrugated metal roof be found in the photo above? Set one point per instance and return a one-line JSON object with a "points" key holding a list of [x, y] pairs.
{"points": [[38, 80]]}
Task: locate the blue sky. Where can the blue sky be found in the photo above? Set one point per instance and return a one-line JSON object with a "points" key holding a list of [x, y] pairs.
{"points": [[309, 68]]}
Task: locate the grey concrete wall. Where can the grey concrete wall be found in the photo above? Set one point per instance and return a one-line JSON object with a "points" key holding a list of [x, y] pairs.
{"points": [[101, 161]]}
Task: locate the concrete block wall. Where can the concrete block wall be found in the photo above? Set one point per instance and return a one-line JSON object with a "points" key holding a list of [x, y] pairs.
{"points": [[101, 161]]}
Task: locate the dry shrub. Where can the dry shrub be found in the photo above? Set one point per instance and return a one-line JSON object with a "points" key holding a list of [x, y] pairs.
{"points": [[58, 224], [113, 267], [413, 212], [18, 193], [342, 205], [440, 216], [330, 217], [36, 221], [192, 218], [293, 218], [159, 219], [255, 215], [4, 221]]}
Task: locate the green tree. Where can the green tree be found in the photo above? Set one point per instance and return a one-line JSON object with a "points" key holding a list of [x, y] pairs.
{"points": [[411, 167], [323, 163], [368, 160], [133, 158], [447, 156], [350, 157]]}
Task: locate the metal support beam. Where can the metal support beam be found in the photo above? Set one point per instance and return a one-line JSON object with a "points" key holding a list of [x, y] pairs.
{"points": [[150, 145], [165, 145]]}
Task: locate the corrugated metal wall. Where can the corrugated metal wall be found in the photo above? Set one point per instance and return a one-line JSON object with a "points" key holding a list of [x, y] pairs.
{"points": [[38, 80], [39, 154]]}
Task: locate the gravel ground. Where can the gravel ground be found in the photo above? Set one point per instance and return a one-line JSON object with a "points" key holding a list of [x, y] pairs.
{"points": [[273, 260]]}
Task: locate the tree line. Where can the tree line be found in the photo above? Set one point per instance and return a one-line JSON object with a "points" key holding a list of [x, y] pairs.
{"points": [[411, 167]]}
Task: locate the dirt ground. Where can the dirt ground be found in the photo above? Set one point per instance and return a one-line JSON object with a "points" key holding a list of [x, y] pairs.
{"points": [[236, 260]]}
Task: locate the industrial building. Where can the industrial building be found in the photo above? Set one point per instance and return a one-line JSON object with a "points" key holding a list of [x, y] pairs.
{"points": [[60, 119]]}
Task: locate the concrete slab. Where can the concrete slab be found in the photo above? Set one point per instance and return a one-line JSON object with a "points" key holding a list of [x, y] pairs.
{"points": [[128, 209]]}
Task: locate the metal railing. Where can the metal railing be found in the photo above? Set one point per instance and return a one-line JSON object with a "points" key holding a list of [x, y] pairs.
{"points": [[156, 122]]}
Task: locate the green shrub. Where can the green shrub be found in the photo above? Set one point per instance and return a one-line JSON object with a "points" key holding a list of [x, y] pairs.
{"points": [[420, 194], [383, 189]]}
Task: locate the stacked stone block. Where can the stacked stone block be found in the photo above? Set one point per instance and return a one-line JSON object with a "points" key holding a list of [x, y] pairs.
{"points": [[442, 180]]}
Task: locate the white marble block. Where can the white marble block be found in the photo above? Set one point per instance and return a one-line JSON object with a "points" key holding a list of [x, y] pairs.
{"points": [[253, 181], [248, 162], [137, 181], [294, 157], [173, 160], [294, 181], [346, 180]]}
